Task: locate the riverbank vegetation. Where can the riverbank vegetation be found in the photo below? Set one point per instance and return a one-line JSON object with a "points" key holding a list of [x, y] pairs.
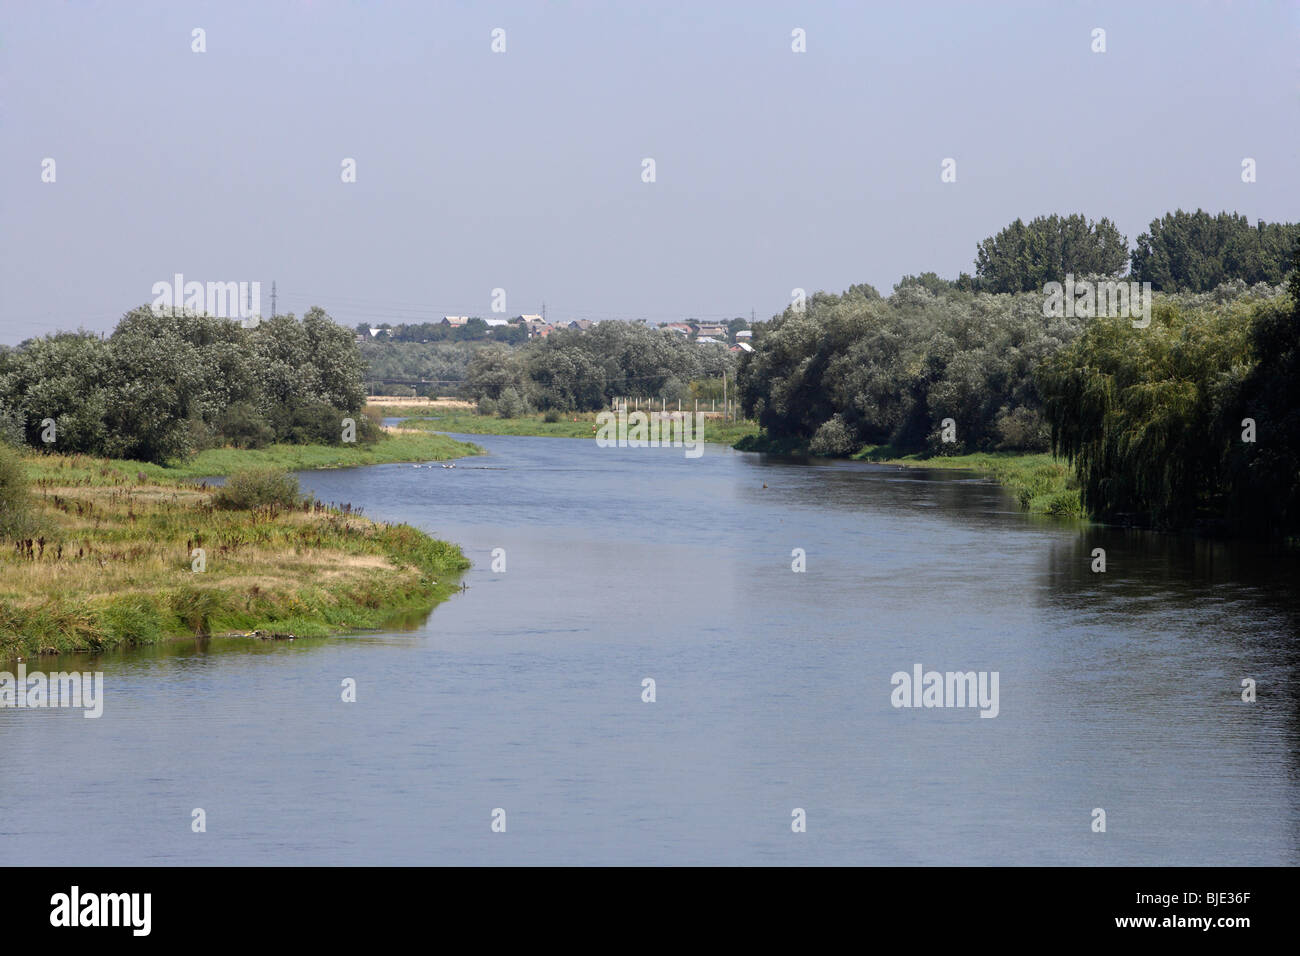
{"points": [[545, 424], [571, 370], [106, 540], [1191, 422], [165, 386], [107, 557], [1149, 420], [1041, 484]]}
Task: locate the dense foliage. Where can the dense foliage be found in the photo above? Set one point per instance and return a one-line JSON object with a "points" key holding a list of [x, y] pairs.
{"points": [[1022, 258], [584, 371], [443, 365], [857, 369], [1195, 252], [162, 386], [1192, 419]]}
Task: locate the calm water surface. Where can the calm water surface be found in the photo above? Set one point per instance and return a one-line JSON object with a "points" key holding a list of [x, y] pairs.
{"points": [[1118, 690]]}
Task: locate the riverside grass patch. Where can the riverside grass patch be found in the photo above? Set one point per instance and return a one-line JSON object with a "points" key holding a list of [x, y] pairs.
{"points": [[1041, 484], [116, 564]]}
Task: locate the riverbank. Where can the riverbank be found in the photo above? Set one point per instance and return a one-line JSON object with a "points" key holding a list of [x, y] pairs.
{"points": [[1041, 484], [568, 425], [113, 563]]}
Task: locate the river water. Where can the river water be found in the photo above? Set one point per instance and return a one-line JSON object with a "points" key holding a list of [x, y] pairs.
{"points": [[1118, 690]]}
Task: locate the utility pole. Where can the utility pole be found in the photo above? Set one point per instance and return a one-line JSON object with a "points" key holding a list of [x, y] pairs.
{"points": [[273, 298]]}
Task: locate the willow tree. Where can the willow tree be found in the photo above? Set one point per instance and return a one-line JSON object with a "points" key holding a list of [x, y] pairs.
{"points": [[1149, 416]]}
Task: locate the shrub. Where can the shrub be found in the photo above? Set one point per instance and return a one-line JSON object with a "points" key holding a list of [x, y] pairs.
{"points": [[833, 438], [552, 415], [1021, 429], [487, 406], [243, 426], [257, 488], [317, 424], [511, 404]]}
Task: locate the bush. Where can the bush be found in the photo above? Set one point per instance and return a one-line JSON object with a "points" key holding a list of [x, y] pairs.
{"points": [[11, 427], [511, 404], [1022, 430], [17, 516], [243, 426], [317, 424], [258, 488], [552, 415], [487, 406], [833, 438]]}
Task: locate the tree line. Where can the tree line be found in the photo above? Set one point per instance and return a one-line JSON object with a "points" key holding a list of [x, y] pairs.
{"points": [[1191, 419], [1179, 252], [570, 370], [474, 330], [162, 386]]}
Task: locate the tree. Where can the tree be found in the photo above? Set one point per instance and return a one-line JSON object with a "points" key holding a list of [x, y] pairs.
{"points": [[1149, 416], [1023, 258], [1266, 473], [1195, 252]]}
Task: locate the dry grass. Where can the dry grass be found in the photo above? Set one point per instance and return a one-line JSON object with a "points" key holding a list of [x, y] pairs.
{"points": [[112, 565]]}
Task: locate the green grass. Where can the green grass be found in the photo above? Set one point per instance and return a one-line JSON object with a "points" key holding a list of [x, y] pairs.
{"points": [[1042, 484], [400, 447], [470, 423], [110, 564]]}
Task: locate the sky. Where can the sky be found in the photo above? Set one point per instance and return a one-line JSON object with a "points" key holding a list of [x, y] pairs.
{"points": [[522, 170]]}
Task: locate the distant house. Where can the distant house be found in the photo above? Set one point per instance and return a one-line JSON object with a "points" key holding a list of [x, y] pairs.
{"points": [[681, 327], [455, 321], [536, 326], [374, 333], [582, 325], [742, 347], [709, 340], [497, 323], [360, 338], [745, 334], [711, 330]]}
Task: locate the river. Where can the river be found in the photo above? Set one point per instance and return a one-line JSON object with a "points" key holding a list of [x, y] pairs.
{"points": [[1118, 690]]}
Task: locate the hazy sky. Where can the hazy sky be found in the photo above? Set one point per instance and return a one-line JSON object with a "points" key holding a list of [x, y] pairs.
{"points": [[522, 170]]}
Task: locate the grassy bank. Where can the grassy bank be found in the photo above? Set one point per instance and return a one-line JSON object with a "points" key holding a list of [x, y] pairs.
{"points": [[1042, 484], [111, 563], [403, 446], [570, 425]]}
